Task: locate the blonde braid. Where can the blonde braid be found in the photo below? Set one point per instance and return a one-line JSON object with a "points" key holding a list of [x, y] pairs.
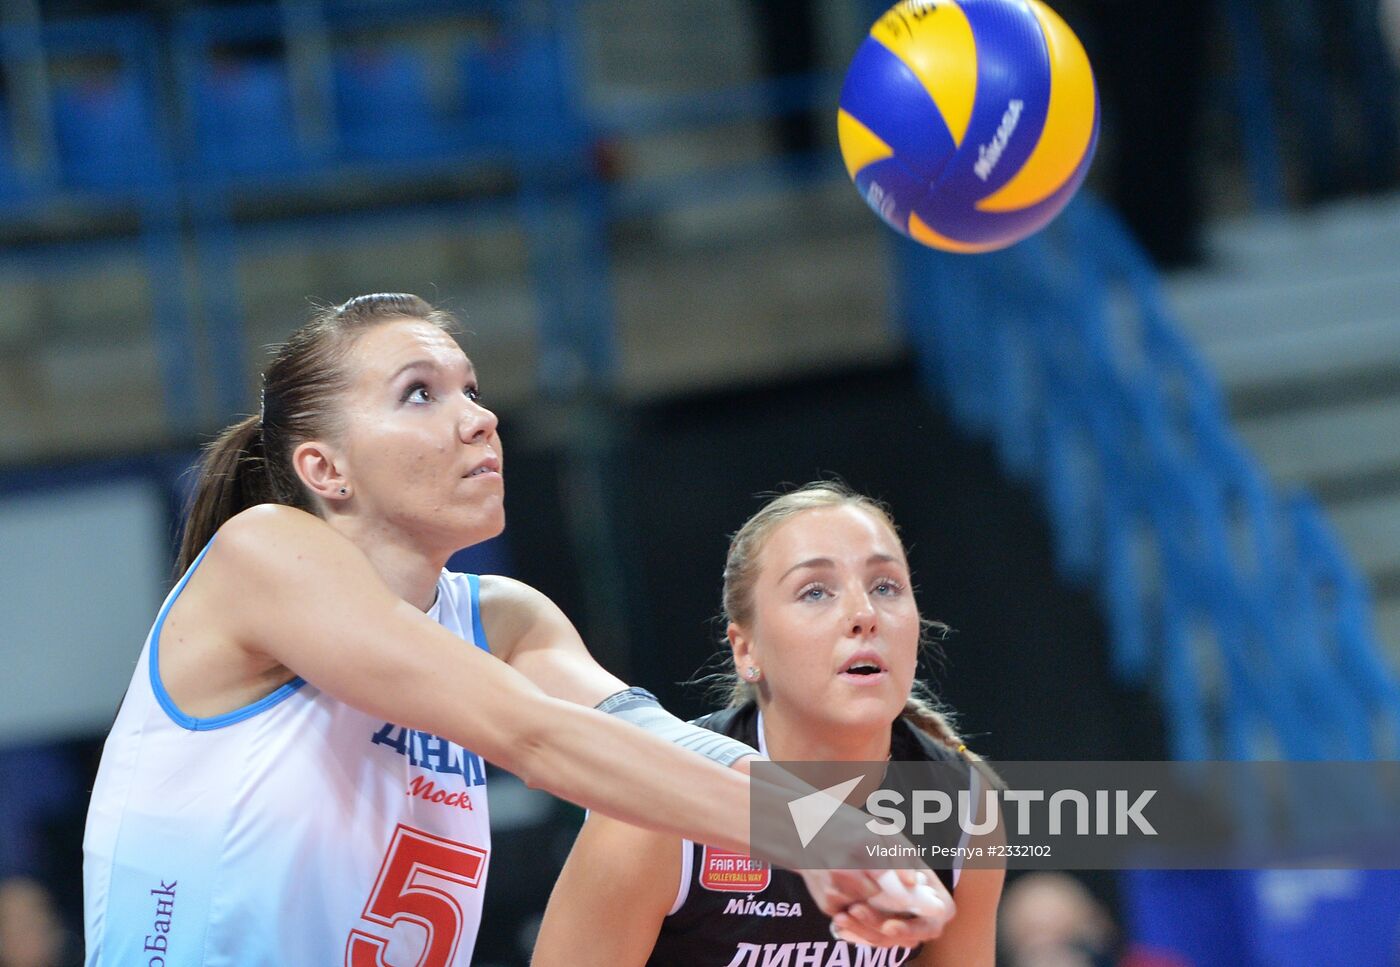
{"points": [[923, 715]]}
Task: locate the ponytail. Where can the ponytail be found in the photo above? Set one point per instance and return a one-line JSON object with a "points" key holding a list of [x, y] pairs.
{"points": [[232, 477]]}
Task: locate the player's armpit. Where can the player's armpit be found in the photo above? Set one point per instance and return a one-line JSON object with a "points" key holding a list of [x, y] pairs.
{"points": [[611, 898]]}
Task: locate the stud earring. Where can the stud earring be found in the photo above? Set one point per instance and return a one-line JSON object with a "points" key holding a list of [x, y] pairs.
{"points": [[343, 491], [752, 674]]}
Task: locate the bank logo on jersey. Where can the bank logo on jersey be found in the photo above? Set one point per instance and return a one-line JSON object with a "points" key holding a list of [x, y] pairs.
{"points": [[725, 871], [428, 751]]}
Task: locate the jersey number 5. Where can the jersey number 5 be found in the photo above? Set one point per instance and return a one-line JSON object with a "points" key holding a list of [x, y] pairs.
{"points": [[410, 887]]}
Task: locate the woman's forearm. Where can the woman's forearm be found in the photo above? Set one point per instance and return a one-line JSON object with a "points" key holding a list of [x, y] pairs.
{"points": [[622, 771], [629, 774]]}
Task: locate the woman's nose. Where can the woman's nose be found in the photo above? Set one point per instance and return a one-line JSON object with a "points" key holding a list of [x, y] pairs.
{"points": [[860, 622], [477, 423]]}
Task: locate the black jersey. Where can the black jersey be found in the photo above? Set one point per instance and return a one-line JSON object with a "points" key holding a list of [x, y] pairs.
{"points": [[732, 911]]}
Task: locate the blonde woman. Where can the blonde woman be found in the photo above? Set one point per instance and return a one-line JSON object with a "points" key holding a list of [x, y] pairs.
{"points": [[824, 633]]}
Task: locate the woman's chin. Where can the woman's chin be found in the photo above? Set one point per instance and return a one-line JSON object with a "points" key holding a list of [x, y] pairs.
{"points": [[473, 530], [864, 713]]}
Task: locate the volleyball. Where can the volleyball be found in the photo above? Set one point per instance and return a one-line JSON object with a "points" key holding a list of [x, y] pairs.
{"points": [[967, 125]]}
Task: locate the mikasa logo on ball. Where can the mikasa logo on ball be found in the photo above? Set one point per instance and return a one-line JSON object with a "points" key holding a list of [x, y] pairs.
{"points": [[882, 203], [989, 154]]}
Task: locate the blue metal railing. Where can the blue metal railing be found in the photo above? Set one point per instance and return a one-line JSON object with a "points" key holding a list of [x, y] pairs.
{"points": [[95, 138], [180, 126], [285, 98], [1233, 601]]}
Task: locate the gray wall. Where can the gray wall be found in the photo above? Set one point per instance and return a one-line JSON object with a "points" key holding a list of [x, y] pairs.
{"points": [[82, 572]]}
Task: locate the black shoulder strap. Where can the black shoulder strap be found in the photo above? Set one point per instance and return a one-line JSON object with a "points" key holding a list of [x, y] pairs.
{"points": [[738, 723]]}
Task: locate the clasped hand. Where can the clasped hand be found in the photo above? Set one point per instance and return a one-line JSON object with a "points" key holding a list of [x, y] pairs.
{"points": [[883, 908]]}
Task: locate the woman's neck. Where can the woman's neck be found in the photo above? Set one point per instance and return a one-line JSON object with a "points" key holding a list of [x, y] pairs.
{"points": [[797, 738], [409, 573]]}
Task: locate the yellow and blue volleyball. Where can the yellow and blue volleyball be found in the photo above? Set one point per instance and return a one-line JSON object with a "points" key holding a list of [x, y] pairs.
{"points": [[968, 124]]}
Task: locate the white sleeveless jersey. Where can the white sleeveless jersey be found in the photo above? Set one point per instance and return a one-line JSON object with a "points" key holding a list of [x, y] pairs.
{"points": [[294, 831]]}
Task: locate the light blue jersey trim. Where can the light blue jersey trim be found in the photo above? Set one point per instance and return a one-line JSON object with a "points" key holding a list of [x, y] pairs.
{"points": [[168, 704], [478, 632]]}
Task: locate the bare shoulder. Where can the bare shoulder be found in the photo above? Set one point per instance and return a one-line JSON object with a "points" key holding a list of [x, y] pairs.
{"points": [[259, 536], [280, 550], [251, 546], [507, 594], [291, 564], [513, 613]]}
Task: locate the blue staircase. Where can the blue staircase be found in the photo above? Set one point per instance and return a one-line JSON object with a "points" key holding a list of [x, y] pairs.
{"points": [[1232, 598]]}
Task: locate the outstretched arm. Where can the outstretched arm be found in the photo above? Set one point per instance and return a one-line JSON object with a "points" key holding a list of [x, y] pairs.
{"points": [[526, 629], [292, 589], [969, 939]]}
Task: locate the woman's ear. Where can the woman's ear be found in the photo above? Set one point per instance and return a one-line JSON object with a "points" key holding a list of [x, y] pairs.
{"points": [[741, 645], [321, 470]]}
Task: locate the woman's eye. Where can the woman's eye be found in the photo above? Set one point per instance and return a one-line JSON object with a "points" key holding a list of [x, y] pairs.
{"points": [[473, 393], [813, 592], [888, 587], [417, 393]]}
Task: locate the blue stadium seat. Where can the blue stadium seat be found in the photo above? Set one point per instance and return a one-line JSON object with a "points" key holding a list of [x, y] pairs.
{"points": [[384, 104], [1240, 609], [1332, 602], [243, 117], [486, 88], [9, 171], [105, 131], [514, 94]]}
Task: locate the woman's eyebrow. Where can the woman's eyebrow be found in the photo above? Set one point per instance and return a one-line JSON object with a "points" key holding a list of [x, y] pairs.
{"points": [[415, 364], [810, 562], [425, 363], [828, 562]]}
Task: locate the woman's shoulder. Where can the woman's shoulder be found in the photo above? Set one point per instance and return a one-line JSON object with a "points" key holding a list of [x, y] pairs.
{"points": [[514, 614], [501, 590], [272, 544], [262, 530], [510, 603]]}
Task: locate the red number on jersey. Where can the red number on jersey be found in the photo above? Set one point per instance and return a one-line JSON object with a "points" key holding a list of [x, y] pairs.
{"points": [[406, 890]]}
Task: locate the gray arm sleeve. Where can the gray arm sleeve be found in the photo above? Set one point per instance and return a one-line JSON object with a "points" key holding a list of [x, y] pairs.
{"points": [[640, 707]]}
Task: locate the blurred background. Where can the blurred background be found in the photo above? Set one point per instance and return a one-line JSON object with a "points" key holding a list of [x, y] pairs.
{"points": [[1147, 462]]}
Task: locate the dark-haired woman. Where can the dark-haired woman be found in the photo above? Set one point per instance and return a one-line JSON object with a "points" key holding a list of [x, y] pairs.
{"points": [[824, 632], [295, 775]]}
